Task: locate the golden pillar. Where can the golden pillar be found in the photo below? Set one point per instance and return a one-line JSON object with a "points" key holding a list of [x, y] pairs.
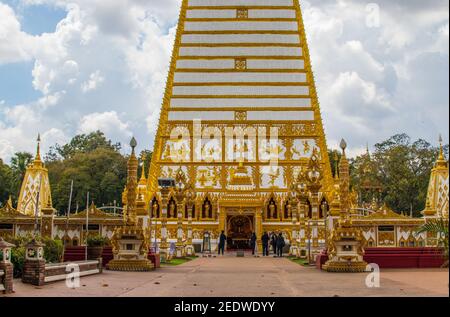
{"points": [[164, 246], [129, 214], [314, 177], [258, 230], [222, 219], [293, 204], [180, 208], [190, 201], [344, 176]]}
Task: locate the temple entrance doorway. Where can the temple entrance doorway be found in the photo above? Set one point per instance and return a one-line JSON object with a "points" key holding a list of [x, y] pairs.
{"points": [[240, 228]]}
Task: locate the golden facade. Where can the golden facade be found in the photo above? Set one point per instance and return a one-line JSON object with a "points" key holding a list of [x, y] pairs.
{"points": [[240, 116]]}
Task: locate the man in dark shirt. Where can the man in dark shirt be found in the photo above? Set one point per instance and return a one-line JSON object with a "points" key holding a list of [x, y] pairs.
{"points": [[253, 243], [222, 240], [280, 245], [265, 244], [274, 243]]}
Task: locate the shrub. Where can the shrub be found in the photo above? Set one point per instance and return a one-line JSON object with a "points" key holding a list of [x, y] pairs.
{"points": [[17, 259], [96, 241], [53, 250]]}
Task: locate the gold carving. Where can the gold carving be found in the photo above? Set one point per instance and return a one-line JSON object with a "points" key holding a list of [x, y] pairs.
{"points": [[240, 64], [242, 13]]}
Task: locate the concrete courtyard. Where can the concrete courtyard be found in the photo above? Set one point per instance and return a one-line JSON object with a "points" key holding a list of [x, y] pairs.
{"points": [[230, 276]]}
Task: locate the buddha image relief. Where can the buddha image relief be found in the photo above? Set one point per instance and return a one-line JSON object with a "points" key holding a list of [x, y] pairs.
{"points": [[303, 148], [208, 177]]}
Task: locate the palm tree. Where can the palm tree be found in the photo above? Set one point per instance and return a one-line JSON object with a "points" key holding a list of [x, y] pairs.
{"points": [[19, 164], [438, 227]]}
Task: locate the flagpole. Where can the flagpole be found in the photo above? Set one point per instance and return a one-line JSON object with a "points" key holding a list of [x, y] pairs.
{"points": [[87, 226], [68, 211]]}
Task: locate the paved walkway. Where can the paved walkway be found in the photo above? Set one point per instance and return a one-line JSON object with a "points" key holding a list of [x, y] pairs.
{"points": [[247, 277]]}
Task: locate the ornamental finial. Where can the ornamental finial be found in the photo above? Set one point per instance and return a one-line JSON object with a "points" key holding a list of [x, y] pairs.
{"points": [[336, 165], [133, 144], [143, 158], [441, 162], [343, 145], [38, 150]]}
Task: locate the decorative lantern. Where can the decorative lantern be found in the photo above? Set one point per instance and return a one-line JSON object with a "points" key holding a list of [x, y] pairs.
{"points": [[206, 242], [5, 251], [34, 251]]}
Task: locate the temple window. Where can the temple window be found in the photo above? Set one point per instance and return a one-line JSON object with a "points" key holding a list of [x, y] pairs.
{"points": [[186, 212], [287, 210], [309, 209]]}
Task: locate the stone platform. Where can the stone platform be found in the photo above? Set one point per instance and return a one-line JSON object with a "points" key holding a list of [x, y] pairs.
{"points": [[265, 277]]}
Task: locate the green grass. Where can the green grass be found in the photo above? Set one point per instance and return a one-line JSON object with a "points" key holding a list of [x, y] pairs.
{"points": [[303, 262], [175, 262]]}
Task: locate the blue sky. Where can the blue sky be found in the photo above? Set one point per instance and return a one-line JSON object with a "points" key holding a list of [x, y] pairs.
{"points": [[35, 20], [72, 66]]}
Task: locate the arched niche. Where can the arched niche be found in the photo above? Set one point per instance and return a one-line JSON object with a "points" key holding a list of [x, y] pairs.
{"points": [[272, 209], [155, 208], [172, 208], [207, 208]]}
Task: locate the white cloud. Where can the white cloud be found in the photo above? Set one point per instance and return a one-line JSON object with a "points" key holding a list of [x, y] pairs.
{"points": [[15, 45], [376, 81], [107, 122], [95, 80]]}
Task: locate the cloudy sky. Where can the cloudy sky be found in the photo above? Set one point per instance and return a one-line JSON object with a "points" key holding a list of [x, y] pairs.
{"points": [[75, 66]]}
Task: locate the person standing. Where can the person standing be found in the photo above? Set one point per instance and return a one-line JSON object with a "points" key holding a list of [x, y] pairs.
{"points": [[222, 240], [253, 243], [265, 244], [280, 245], [274, 243]]}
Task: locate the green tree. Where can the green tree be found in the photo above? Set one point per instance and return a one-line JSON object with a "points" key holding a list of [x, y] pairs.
{"points": [[101, 172], [83, 143], [402, 168], [145, 158], [438, 228], [5, 182], [19, 164]]}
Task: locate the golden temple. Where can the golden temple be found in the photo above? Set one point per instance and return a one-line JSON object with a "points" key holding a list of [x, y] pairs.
{"points": [[240, 128], [240, 115]]}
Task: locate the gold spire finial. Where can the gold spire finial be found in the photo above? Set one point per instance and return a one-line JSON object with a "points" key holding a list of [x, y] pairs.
{"points": [[143, 178], [336, 165], [10, 201], [38, 150], [441, 162], [441, 148]]}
